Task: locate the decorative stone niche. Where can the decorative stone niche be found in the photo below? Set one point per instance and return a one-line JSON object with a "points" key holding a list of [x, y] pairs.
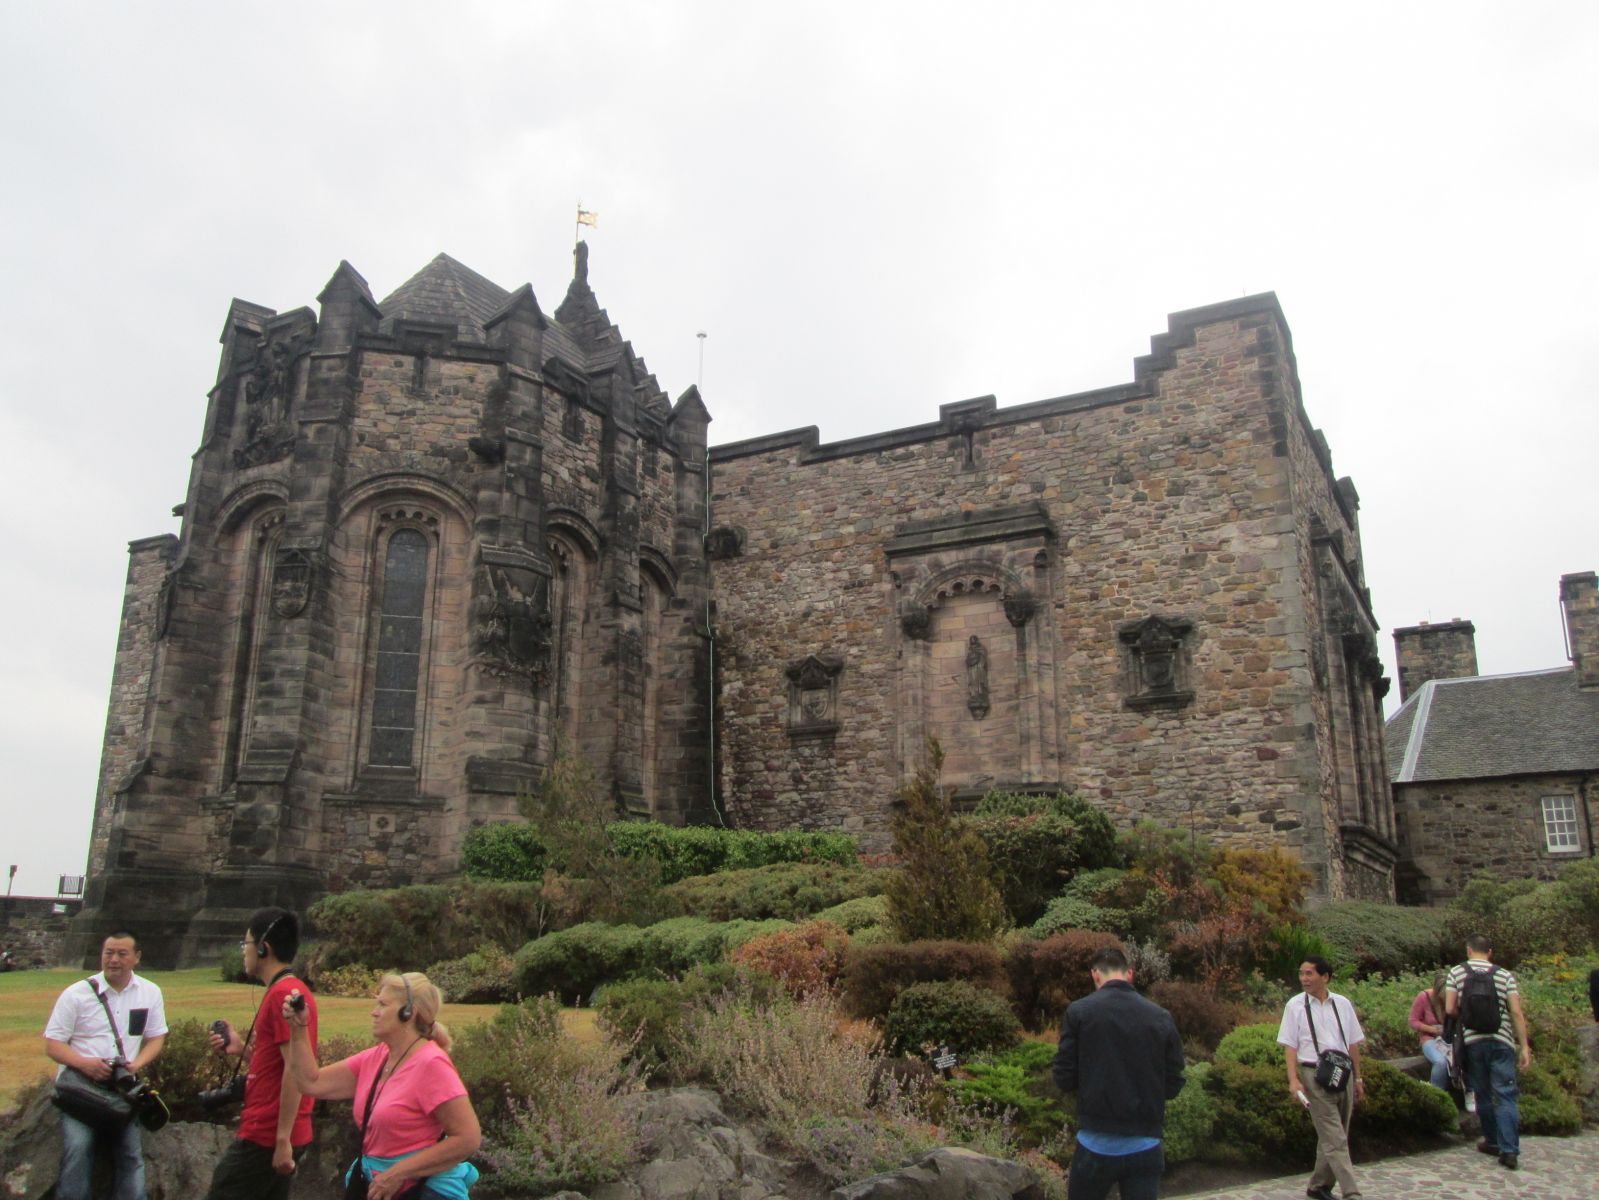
{"points": [[1155, 661], [813, 696]]}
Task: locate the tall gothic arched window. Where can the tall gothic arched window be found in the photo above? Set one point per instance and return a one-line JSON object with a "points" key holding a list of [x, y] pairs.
{"points": [[401, 617]]}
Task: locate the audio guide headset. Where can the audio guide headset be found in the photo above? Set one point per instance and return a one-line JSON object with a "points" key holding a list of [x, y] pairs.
{"points": [[263, 944], [408, 1009]]}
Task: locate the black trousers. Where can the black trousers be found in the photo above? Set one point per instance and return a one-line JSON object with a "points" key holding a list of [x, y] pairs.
{"points": [[245, 1173]]}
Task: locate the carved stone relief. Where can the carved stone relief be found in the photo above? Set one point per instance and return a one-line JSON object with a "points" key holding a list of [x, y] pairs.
{"points": [[723, 542], [268, 388], [292, 571], [813, 695], [916, 622], [510, 629], [1156, 664]]}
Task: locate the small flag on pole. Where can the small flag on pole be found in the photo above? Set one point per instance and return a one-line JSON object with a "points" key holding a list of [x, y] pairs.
{"points": [[584, 217]]}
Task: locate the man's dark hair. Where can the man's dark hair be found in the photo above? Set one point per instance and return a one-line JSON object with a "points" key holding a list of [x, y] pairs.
{"points": [[1110, 960], [120, 934], [1321, 965], [1479, 943], [279, 930]]}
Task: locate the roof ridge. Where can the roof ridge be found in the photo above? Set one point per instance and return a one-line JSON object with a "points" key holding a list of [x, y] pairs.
{"points": [[1418, 731], [1506, 675]]}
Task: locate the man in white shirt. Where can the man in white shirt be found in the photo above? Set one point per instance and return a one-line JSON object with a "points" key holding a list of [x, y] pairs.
{"points": [[1313, 1021], [80, 1036]]}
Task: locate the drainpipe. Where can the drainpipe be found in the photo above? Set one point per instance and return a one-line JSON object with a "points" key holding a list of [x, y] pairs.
{"points": [[710, 642]]}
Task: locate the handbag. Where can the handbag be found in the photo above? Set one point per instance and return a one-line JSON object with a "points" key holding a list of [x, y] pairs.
{"points": [[1334, 1068], [99, 1106]]}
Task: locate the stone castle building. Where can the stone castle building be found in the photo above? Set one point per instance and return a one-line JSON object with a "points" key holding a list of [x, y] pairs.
{"points": [[428, 539]]}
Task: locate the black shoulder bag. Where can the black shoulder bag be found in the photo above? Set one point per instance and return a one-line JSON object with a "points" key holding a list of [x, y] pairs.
{"points": [[108, 1107], [1334, 1068]]}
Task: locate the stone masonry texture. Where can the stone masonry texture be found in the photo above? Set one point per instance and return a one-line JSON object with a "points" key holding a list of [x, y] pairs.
{"points": [[428, 540]]}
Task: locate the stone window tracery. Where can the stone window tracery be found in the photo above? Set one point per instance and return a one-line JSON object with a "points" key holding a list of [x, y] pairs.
{"points": [[405, 554]]}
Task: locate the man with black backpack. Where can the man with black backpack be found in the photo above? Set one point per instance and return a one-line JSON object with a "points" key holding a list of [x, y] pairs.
{"points": [[1486, 1001]]}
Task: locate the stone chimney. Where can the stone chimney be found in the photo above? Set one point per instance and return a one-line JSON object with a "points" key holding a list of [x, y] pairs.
{"points": [[1579, 597], [1447, 651]]}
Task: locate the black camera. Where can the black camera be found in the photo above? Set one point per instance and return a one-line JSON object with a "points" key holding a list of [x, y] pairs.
{"points": [[129, 1084], [229, 1093]]}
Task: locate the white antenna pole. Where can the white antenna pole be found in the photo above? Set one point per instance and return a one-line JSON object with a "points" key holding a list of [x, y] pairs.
{"points": [[702, 336]]}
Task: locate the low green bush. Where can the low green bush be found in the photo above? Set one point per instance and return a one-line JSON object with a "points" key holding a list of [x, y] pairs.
{"points": [[874, 975], [1382, 939], [1014, 1081], [1253, 1046], [1097, 844], [1396, 1105], [481, 977], [506, 851], [1289, 945], [1384, 1009], [1032, 854], [688, 850], [231, 965], [791, 891], [1190, 1117], [1546, 1108], [573, 962], [1065, 913], [1256, 1121], [420, 924], [855, 915], [950, 1013]]}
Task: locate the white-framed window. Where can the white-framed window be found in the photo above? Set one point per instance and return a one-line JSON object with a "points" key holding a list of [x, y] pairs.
{"points": [[1560, 831]]}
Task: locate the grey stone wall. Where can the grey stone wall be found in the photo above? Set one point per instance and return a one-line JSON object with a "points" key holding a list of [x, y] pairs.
{"points": [[1447, 650]]}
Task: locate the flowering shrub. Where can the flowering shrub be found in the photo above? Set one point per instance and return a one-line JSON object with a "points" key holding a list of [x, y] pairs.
{"points": [[556, 1114], [806, 958]]}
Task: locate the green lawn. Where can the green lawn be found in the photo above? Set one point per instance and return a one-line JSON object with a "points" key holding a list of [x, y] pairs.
{"points": [[26, 998]]}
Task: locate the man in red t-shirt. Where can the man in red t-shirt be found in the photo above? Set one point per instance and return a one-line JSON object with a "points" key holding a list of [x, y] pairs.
{"points": [[275, 1128]]}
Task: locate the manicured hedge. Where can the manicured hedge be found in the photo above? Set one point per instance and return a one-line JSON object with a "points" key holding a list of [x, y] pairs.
{"points": [[703, 850], [574, 962], [503, 850], [1382, 939], [790, 891], [951, 1013]]}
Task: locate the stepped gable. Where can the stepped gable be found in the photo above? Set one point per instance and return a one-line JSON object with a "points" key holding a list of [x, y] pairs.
{"points": [[599, 342], [445, 290]]}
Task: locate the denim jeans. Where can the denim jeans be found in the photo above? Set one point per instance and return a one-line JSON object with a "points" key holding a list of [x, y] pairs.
{"points": [[1435, 1052], [1491, 1071], [77, 1161], [1092, 1175]]}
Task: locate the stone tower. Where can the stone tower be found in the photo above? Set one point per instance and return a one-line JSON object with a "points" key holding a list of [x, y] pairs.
{"points": [[424, 540]]}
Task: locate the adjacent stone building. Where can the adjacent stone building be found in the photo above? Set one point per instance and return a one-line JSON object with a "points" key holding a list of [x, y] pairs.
{"points": [[1494, 774], [428, 539]]}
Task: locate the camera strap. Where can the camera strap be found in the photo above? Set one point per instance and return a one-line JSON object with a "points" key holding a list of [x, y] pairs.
{"points": [[244, 1052], [1310, 1020], [112, 1021]]}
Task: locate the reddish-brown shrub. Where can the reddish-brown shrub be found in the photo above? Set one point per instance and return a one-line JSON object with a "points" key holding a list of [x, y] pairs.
{"points": [[805, 959], [1202, 1017], [874, 975], [1046, 976]]}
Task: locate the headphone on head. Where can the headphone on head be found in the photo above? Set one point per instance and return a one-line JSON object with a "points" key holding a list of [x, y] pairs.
{"points": [[263, 944], [408, 1009]]}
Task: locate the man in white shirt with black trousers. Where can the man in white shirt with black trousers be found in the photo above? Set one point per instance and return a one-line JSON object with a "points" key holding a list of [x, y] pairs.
{"points": [[1314, 1021]]}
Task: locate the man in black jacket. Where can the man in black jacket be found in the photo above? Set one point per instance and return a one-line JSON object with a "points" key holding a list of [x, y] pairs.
{"points": [[1122, 1055]]}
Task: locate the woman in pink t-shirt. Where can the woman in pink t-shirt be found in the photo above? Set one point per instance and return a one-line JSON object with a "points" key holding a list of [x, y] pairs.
{"points": [[1427, 1019], [417, 1124]]}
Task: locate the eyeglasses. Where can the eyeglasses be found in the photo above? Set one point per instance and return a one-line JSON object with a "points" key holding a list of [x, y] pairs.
{"points": [[246, 944]]}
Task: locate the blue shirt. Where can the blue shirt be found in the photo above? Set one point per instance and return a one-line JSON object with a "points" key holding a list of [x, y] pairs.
{"points": [[1115, 1145]]}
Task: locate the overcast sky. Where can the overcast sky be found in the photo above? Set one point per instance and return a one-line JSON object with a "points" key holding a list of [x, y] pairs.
{"points": [[872, 209]]}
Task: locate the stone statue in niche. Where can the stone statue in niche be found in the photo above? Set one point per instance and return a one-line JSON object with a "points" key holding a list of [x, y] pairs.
{"points": [[976, 678], [291, 583], [268, 433], [510, 629]]}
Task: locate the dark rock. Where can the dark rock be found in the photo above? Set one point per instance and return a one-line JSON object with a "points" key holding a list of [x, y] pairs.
{"points": [[949, 1174]]}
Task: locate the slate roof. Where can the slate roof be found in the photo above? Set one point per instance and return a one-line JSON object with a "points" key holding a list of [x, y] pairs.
{"points": [[1534, 723], [445, 290], [448, 291]]}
